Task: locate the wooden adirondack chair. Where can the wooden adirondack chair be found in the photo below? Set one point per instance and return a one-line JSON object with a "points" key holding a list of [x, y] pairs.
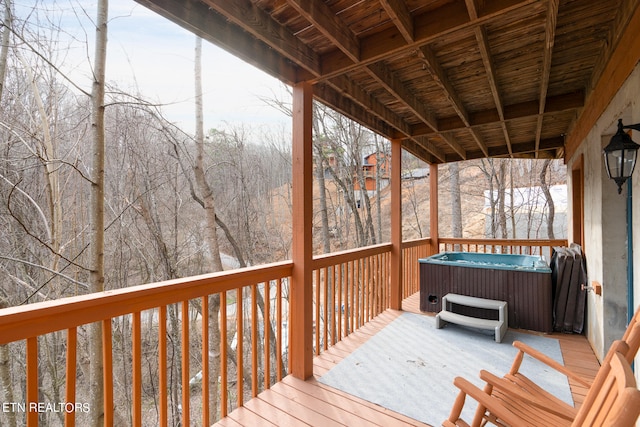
{"points": [[631, 337], [615, 401], [515, 387]]}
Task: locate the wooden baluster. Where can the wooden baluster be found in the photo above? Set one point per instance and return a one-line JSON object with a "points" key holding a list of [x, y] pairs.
{"points": [[267, 335], [70, 385], [224, 406], [136, 367], [107, 369], [205, 361], [186, 415], [162, 366], [239, 348], [254, 340], [317, 310], [339, 294], [325, 290], [32, 381], [279, 373]]}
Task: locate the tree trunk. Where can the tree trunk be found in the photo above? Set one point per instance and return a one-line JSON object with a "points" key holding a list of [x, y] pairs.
{"points": [[211, 235], [5, 375], [5, 357], [96, 277], [4, 44], [547, 195], [502, 213], [456, 202], [324, 216]]}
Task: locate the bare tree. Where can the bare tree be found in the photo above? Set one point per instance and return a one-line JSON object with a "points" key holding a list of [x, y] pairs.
{"points": [[211, 233], [4, 43], [549, 199], [456, 203], [96, 277]]}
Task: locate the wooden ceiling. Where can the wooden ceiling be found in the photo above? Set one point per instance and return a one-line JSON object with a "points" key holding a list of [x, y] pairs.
{"points": [[454, 79]]}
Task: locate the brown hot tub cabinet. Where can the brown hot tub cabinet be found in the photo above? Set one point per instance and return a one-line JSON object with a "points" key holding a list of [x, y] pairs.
{"points": [[523, 281]]}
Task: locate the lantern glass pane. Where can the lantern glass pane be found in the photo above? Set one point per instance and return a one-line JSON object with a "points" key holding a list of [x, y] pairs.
{"points": [[614, 164], [629, 162]]}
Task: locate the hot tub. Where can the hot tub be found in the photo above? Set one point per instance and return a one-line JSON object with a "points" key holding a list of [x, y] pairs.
{"points": [[523, 281]]}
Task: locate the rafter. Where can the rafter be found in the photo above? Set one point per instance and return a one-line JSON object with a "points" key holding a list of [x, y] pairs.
{"points": [[349, 88], [448, 138], [428, 27], [552, 145], [353, 54], [325, 21], [550, 36], [401, 17], [554, 104], [387, 79], [196, 17], [440, 78], [328, 95], [248, 17], [427, 145]]}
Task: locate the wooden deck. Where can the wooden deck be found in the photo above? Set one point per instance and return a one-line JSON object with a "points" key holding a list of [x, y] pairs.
{"points": [[294, 402]]}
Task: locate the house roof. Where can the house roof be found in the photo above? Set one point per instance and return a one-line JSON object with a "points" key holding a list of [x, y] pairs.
{"points": [[454, 79]]}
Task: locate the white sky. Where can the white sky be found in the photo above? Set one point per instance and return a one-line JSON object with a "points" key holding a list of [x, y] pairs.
{"points": [[155, 55]]}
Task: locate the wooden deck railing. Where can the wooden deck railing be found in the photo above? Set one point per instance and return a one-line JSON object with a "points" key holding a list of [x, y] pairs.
{"points": [[139, 320], [351, 288], [504, 246], [412, 251], [164, 345]]}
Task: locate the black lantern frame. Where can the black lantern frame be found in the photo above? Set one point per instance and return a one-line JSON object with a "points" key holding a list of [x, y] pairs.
{"points": [[621, 154]]}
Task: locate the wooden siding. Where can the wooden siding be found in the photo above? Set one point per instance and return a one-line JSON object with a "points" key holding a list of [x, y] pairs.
{"points": [[296, 402]]}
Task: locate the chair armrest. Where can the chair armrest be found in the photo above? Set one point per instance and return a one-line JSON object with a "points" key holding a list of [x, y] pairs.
{"points": [[489, 402], [516, 393], [532, 352]]}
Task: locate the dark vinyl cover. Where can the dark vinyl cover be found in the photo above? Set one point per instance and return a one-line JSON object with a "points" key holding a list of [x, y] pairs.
{"points": [[568, 274]]}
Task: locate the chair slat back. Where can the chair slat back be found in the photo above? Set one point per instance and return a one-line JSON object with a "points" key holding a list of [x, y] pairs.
{"points": [[616, 401]]}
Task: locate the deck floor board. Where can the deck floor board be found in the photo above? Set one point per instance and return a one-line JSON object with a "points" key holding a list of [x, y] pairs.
{"points": [[296, 402]]}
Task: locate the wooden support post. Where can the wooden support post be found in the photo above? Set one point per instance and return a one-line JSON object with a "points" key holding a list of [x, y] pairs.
{"points": [[433, 208], [302, 248], [396, 224]]}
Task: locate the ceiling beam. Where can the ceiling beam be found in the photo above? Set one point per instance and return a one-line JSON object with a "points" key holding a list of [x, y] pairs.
{"points": [[441, 79], [448, 138], [429, 146], [348, 88], [401, 17], [485, 53], [250, 18], [553, 104], [331, 97], [624, 58], [386, 78], [330, 25], [550, 37], [526, 148], [196, 17], [419, 151], [428, 27]]}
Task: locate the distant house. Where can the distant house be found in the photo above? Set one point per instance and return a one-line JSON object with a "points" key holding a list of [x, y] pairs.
{"points": [[419, 173], [376, 169]]}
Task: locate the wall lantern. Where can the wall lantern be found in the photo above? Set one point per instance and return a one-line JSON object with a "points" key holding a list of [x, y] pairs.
{"points": [[620, 155]]}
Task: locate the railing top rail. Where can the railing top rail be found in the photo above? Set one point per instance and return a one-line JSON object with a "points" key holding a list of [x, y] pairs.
{"points": [[40, 318], [415, 242], [327, 260], [505, 242]]}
